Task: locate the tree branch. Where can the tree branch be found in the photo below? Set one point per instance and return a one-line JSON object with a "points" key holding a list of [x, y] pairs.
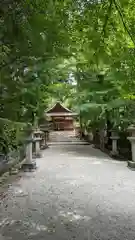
{"points": [[107, 17], [118, 8]]}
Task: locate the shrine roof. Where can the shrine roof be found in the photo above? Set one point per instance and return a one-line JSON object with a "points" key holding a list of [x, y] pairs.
{"points": [[59, 110], [60, 114]]}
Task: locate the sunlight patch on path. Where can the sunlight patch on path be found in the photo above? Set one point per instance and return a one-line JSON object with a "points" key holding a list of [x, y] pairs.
{"points": [[72, 216], [96, 162]]}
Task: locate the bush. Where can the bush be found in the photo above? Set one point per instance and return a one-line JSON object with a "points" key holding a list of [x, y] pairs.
{"points": [[11, 136]]}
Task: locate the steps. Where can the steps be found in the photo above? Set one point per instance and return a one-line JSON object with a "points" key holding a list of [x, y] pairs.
{"points": [[69, 143], [65, 138]]}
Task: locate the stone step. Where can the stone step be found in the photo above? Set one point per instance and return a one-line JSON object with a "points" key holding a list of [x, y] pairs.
{"points": [[69, 143], [67, 140]]}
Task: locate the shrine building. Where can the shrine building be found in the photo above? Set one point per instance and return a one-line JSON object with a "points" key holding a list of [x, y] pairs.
{"points": [[60, 117]]}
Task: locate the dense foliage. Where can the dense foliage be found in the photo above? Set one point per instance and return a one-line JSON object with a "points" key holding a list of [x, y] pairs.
{"points": [[105, 66], [44, 43]]}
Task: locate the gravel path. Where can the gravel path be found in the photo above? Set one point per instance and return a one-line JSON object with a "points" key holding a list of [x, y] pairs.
{"points": [[77, 192]]}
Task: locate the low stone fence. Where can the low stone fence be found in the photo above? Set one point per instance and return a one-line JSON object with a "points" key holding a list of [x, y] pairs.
{"points": [[7, 162], [28, 150], [101, 141]]}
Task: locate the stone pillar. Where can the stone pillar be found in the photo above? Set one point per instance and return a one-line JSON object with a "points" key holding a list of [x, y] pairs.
{"points": [[102, 139], [37, 139], [114, 137], [45, 135], [29, 163], [90, 136], [29, 152], [43, 142], [131, 129]]}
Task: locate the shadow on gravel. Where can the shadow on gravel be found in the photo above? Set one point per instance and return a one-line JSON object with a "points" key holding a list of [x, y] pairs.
{"points": [[84, 151]]}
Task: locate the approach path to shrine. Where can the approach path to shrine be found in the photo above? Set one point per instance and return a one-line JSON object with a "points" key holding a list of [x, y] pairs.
{"points": [[77, 192]]}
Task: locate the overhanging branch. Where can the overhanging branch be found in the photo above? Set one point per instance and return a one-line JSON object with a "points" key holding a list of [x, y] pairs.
{"points": [[118, 8], [107, 17]]}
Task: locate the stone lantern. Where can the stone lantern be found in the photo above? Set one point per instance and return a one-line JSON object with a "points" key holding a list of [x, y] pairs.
{"points": [[114, 137], [100, 76], [37, 136], [45, 131], [131, 130], [29, 163]]}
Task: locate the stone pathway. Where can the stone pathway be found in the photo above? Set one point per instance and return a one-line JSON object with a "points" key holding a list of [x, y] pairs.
{"points": [[77, 192], [64, 138]]}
